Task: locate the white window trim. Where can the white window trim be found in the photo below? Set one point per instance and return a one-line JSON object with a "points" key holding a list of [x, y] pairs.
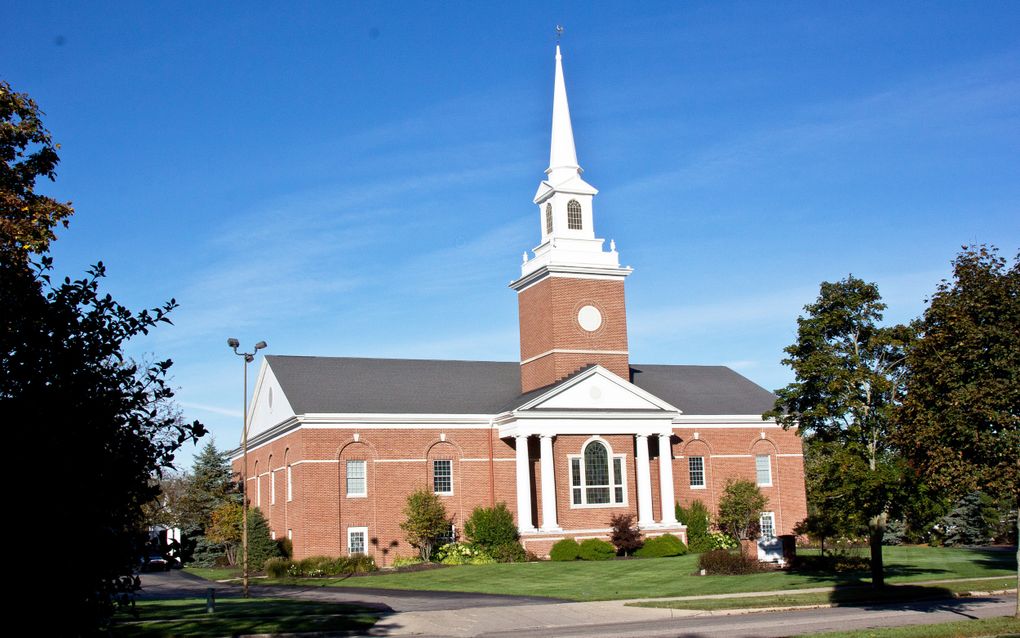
{"points": [[769, 457], [612, 487], [354, 530], [364, 479], [704, 473], [434, 461], [290, 484], [772, 517]]}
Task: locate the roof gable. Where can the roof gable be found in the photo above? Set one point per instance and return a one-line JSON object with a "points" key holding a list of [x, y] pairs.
{"points": [[596, 388]]}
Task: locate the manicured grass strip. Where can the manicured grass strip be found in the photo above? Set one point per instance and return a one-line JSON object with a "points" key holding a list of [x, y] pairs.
{"points": [[187, 617], [214, 573], [895, 593], [672, 577], [1005, 626]]}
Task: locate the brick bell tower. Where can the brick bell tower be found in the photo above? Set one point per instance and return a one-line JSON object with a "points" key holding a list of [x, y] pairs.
{"points": [[570, 294]]}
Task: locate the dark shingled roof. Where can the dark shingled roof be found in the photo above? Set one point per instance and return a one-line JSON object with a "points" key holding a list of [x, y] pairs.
{"points": [[425, 386]]}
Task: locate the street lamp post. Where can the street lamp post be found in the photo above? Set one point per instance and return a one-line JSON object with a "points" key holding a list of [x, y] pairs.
{"points": [[248, 357]]}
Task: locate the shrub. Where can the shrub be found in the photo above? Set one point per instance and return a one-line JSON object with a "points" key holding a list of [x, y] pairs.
{"points": [[490, 527], [625, 537], [662, 546], [463, 554], [720, 561], [261, 546], [718, 540], [509, 553], [695, 517], [277, 567], [595, 549], [406, 561], [425, 522], [285, 547], [566, 549], [739, 509], [319, 566]]}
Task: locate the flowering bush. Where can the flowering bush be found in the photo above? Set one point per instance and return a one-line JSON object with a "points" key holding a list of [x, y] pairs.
{"points": [[718, 540], [463, 554], [405, 561]]}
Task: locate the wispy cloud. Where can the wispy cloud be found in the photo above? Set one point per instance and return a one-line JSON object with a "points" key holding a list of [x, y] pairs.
{"points": [[212, 408]]}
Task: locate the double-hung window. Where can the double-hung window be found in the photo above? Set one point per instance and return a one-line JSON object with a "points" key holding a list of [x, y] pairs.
{"points": [[763, 469], [696, 470], [357, 538], [442, 476], [357, 485]]}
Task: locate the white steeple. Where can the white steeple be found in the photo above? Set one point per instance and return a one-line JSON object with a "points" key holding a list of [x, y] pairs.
{"points": [[562, 154], [564, 202]]}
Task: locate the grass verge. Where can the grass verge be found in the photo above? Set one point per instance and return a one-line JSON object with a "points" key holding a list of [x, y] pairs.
{"points": [[214, 573], [188, 617], [1005, 626], [891, 594]]}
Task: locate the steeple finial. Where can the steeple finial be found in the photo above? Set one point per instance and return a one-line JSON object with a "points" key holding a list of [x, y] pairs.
{"points": [[562, 154]]}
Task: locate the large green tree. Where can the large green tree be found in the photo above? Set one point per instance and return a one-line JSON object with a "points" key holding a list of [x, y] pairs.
{"points": [[960, 422], [848, 380], [209, 485], [92, 422]]}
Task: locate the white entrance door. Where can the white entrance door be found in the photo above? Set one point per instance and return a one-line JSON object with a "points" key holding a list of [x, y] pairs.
{"points": [[770, 548]]}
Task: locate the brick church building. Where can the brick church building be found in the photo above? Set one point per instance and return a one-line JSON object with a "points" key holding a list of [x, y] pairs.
{"points": [[568, 436]]}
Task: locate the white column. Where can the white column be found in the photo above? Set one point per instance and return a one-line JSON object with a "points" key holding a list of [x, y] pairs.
{"points": [[666, 481], [524, 522], [644, 482], [548, 485]]}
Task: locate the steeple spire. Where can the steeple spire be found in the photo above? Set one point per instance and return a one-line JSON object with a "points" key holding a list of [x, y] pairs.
{"points": [[562, 154]]}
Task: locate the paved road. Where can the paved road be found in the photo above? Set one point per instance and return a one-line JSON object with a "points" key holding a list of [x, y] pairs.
{"points": [[178, 584]]}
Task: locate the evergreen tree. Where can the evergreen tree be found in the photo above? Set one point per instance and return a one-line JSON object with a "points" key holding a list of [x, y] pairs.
{"points": [[210, 485], [971, 521]]}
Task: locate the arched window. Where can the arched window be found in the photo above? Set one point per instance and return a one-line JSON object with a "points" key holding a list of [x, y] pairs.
{"points": [[290, 479], [272, 482], [258, 486], [574, 215], [596, 477], [548, 219]]}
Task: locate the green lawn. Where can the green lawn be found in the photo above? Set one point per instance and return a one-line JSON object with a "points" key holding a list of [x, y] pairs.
{"points": [[188, 617], [215, 573], [962, 629], [893, 593], [666, 577]]}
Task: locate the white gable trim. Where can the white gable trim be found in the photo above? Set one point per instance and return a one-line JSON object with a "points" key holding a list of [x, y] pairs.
{"points": [[606, 375]]}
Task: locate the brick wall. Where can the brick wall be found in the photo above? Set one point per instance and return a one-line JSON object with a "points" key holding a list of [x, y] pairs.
{"points": [[548, 320], [399, 461]]}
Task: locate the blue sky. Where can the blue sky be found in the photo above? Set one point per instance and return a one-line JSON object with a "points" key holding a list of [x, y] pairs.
{"points": [[355, 179]]}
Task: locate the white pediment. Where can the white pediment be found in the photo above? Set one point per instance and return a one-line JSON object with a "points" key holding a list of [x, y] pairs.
{"points": [[269, 404], [597, 389]]}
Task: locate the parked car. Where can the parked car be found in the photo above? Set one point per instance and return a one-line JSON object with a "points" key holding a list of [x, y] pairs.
{"points": [[155, 563]]}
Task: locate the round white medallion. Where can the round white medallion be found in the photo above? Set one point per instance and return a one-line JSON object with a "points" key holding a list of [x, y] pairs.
{"points": [[590, 318]]}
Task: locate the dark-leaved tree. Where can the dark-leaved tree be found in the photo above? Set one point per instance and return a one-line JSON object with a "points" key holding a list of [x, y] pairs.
{"points": [[91, 427]]}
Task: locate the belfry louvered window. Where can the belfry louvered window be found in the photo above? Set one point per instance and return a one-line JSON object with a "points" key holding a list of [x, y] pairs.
{"points": [[574, 215], [548, 219]]}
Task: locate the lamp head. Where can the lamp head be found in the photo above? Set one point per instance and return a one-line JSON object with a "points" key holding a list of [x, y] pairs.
{"points": [[233, 343], [260, 345]]}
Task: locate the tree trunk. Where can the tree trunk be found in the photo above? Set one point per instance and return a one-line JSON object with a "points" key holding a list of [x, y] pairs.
{"points": [[1016, 614], [877, 528]]}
